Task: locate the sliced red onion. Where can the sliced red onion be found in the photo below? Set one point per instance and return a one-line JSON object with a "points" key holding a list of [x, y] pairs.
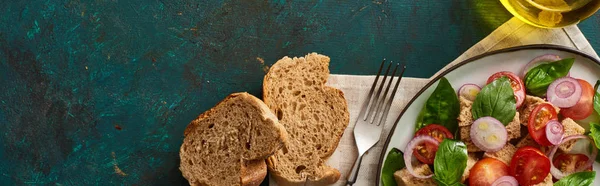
{"points": [[488, 134], [408, 153], [469, 91], [537, 61], [520, 98], [554, 132], [564, 92], [506, 181], [557, 173]]}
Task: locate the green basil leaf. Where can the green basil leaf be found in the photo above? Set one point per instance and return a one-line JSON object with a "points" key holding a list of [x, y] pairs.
{"points": [[454, 184], [597, 97], [441, 108], [496, 100], [585, 178], [595, 133], [450, 162], [393, 162], [539, 78]]}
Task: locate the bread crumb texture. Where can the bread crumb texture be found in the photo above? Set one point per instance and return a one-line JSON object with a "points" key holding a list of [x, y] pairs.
{"points": [[228, 144], [314, 115]]}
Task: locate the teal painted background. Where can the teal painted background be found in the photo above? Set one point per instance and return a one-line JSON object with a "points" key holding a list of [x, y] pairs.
{"points": [[98, 92]]}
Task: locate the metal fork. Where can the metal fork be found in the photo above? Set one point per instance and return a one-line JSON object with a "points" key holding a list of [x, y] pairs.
{"points": [[371, 118]]}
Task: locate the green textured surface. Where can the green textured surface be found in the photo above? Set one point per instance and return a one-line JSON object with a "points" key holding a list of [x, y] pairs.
{"points": [[88, 86]]}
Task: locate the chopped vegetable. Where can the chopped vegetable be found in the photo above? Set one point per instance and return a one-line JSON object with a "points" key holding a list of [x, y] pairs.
{"points": [[496, 100], [539, 117], [506, 181], [393, 163], [408, 152], [564, 92], [469, 91], [425, 152], [529, 166], [580, 179], [450, 162], [486, 171], [515, 83], [595, 133], [488, 134], [585, 105], [543, 59], [539, 78], [569, 162], [442, 108], [554, 132], [558, 174]]}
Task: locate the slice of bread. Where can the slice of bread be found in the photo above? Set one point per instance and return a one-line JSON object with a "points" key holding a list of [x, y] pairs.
{"points": [[505, 154], [472, 159], [465, 118], [571, 128], [228, 144], [403, 177], [314, 115], [528, 141]]}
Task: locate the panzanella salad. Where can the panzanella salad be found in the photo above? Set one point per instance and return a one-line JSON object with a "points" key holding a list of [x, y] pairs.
{"points": [[520, 128]]}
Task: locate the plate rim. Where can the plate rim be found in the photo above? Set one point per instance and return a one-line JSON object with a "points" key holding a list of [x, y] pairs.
{"points": [[459, 64]]}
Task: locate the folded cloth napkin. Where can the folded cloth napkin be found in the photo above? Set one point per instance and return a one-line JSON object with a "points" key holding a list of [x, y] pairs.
{"points": [[510, 34]]}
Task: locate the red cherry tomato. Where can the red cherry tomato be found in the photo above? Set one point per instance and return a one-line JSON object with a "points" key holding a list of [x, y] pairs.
{"points": [[425, 152], [515, 82], [570, 162], [538, 118], [585, 105], [529, 166], [486, 171], [436, 131]]}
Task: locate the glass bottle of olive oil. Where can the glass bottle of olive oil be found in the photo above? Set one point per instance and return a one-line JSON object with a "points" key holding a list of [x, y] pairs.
{"points": [[551, 13]]}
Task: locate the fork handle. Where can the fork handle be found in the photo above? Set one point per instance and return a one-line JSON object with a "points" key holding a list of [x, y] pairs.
{"points": [[354, 173]]}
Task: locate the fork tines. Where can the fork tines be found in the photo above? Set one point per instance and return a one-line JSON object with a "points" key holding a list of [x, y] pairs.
{"points": [[373, 104]]}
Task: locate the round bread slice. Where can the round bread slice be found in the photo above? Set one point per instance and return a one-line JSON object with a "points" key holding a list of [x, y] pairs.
{"points": [[314, 115], [228, 144]]}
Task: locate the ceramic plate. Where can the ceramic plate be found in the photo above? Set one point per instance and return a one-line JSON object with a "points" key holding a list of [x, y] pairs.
{"points": [[477, 70]]}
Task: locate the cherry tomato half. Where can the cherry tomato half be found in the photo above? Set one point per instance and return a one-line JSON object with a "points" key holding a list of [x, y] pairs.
{"points": [[585, 105], [486, 171], [425, 152], [529, 166], [570, 162], [436, 131], [515, 82], [538, 118]]}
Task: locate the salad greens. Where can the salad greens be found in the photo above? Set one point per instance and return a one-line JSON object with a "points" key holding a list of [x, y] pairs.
{"points": [[450, 162], [539, 78], [441, 108], [496, 100], [595, 127], [595, 133], [580, 178], [393, 162], [597, 97]]}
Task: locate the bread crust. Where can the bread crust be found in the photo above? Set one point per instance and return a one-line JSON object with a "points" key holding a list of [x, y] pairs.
{"points": [[253, 170], [328, 175]]}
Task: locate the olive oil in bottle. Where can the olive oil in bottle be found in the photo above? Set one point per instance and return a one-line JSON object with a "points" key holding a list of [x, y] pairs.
{"points": [[551, 13]]}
